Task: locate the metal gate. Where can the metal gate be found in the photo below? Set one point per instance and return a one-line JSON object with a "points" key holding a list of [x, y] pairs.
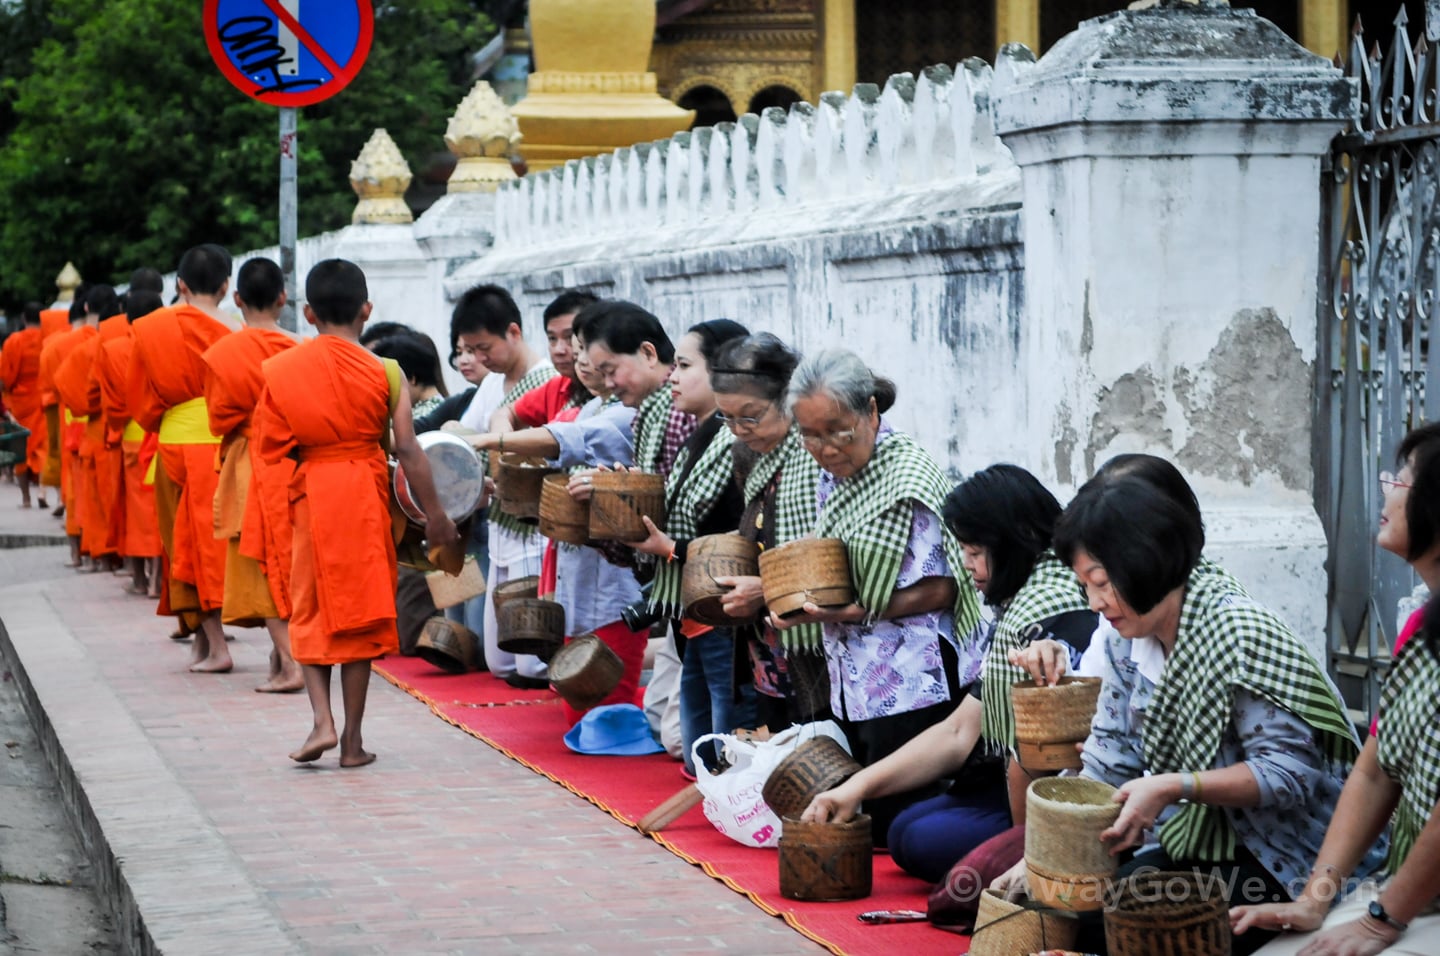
{"points": [[1380, 240]]}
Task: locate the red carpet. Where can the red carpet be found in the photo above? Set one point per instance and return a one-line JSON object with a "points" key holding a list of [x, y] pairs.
{"points": [[527, 726]]}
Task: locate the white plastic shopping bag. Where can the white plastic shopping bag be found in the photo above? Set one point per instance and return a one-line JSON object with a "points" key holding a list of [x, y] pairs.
{"points": [[733, 799]]}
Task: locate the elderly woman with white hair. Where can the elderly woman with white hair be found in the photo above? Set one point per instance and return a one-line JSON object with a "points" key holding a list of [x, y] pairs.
{"points": [[896, 665]]}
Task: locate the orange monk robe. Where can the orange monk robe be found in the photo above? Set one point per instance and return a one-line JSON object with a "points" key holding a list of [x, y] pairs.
{"points": [[133, 519], [20, 371], [71, 378], [105, 449], [53, 323], [327, 401], [167, 374], [233, 384]]}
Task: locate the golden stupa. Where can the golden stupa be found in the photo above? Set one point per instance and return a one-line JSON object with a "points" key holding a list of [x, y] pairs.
{"points": [[592, 91]]}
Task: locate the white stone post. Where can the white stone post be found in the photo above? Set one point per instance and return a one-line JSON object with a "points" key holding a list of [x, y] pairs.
{"points": [[1170, 161]]}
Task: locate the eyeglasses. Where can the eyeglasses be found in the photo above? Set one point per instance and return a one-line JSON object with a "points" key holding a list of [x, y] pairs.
{"points": [[1389, 481], [833, 440], [743, 421]]}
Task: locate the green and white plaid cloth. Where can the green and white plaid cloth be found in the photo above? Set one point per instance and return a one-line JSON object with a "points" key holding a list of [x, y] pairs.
{"points": [[871, 512], [794, 513], [649, 430], [1409, 750], [1051, 589], [686, 505], [531, 380], [1225, 642]]}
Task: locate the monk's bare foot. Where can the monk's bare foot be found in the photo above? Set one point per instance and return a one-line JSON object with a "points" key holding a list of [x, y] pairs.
{"points": [[213, 665], [282, 684], [316, 744], [41, 503], [360, 758], [25, 503]]}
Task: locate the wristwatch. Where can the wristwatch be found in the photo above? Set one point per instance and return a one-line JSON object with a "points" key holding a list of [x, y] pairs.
{"points": [[1377, 913]]}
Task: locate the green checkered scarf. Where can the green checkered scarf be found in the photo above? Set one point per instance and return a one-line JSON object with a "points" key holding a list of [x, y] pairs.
{"points": [[649, 429], [794, 512], [1408, 749], [1225, 642], [1051, 589], [686, 505], [530, 381], [871, 512]]}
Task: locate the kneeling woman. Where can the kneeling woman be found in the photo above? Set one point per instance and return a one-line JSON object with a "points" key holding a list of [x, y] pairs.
{"points": [[1225, 738], [892, 654], [1003, 518]]}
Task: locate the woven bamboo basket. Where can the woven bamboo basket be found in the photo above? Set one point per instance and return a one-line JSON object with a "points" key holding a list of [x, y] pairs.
{"points": [[1068, 865], [1169, 914], [561, 516], [1050, 721], [517, 489], [585, 671], [1003, 928], [812, 768], [448, 590], [531, 626], [515, 589], [816, 570], [451, 647], [619, 500], [710, 557], [823, 862]]}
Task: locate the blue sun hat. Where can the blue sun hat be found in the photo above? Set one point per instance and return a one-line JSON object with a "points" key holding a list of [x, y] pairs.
{"points": [[618, 729]]}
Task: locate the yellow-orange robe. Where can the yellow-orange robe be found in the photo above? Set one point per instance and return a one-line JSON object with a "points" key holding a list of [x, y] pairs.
{"points": [[20, 371], [109, 462], [133, 520], [233, 384], [167, 372], [71, 378], [53, 323], [328, 402]]}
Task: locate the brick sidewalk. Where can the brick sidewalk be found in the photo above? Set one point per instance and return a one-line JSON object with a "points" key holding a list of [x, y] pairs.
{"points": [[442, 846]]}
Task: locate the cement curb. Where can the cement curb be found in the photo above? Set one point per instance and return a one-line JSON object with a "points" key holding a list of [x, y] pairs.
{"points": [[160, 867]]}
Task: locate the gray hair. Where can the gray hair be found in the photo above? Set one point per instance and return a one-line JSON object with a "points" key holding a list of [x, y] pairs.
{"points": [[840, 374]]}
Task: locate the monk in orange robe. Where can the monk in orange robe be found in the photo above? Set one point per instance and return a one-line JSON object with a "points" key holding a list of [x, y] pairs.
{"points": [[166, 394], [132, 522], [20, 388], [328, 403], [233, 384], [68, 386], [53, 322]]}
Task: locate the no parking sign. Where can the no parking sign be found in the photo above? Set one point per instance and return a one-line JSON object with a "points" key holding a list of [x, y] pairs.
{"points": [[289, 52]]}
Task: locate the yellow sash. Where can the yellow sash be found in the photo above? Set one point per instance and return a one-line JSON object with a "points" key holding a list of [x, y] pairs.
{"points": [[185, 424], [133, 431], [69, 419]]}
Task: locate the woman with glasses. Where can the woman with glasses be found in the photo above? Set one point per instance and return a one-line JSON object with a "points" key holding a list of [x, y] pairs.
{"points": [[701, 498], [779, 480], [896, 665], [1396, 780]]}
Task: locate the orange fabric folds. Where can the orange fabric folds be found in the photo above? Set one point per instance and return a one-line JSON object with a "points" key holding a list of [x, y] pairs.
{"points": [[327, 401], [20, 371]]}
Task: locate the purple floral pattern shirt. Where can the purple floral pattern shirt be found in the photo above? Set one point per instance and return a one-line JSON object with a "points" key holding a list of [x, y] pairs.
{"points": [[894, 667]]}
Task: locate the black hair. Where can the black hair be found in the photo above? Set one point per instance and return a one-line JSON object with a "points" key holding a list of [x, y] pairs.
{"points": [[204, 269], [415, 351], [260, 283], [623, 327], [1422, 507], [758, 365], [1147, 541], [569, 302], [375, 331], [146, 278], [1159, 472], [140, 303], [1005, 510], [31, 312], [485, 308], [335, 290], [102, 301], [714, 334]]}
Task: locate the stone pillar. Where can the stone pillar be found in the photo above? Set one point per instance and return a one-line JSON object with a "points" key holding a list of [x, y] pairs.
{"points": [[1170, 160]]}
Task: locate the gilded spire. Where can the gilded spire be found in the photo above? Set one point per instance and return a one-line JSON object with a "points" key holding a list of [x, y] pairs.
{"points": [[67, 282], [380, 176], [483, 133]]}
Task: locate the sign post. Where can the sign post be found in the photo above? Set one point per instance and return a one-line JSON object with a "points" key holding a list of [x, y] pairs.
{"points": [[289, 54]]}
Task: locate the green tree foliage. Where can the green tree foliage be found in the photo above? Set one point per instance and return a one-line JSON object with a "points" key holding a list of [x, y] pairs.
{"points": [[128, 145]]}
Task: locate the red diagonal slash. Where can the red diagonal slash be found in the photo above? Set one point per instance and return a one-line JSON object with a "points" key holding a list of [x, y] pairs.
{"points": [[303, 36]]}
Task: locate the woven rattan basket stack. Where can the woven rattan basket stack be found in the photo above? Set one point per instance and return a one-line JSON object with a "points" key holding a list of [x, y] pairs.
{"points": [[1003, 928], [710, 557], [1051, 720], [813, 767], [561, 516], [810, 570], [1068, 865], [585, 671], [1169, 914], [620, 499], [518, 484]]}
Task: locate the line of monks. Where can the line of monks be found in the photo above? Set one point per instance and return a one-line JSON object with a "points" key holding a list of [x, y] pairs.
{"points": [[140, 414]]}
